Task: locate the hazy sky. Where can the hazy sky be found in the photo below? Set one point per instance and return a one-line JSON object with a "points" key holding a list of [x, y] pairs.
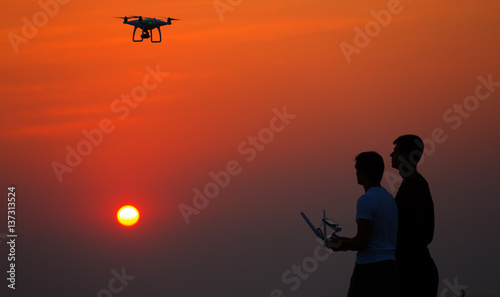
{"points": [[260, 106]]}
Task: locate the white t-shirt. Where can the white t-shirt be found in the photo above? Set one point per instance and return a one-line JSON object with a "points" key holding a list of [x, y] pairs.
{"points": [[379, 206]]}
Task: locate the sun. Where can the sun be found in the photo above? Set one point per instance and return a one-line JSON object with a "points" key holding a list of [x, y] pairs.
{"points": [[127, 216]]}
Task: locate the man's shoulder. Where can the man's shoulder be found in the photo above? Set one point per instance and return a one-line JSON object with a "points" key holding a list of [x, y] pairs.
{"points": [[375, 194], [416, 181], [413, 192]]}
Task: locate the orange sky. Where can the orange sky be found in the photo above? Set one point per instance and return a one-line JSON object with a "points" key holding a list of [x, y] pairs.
{"points": [[225, 77]]}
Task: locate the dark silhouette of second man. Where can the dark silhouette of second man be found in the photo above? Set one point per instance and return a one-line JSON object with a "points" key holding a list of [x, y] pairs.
{"points": [[418, 274]]}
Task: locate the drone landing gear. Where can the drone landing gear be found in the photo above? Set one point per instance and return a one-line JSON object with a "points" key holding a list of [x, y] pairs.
{"points": [[159, 33], [133, 36], [145, 35]]}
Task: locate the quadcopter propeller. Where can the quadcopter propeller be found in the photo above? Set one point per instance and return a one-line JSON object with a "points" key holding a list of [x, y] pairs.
{"points": [[127, 18], [169, 18]]}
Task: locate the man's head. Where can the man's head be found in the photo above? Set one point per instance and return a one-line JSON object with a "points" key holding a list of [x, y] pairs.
{"points": [[408, 150], [369, 168]]}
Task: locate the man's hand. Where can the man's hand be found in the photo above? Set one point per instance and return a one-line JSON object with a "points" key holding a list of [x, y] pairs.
{"points": [[336, 244]]}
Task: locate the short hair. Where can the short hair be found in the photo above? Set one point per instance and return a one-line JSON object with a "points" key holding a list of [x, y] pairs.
{"points": [[412, 145], [372, 164]]}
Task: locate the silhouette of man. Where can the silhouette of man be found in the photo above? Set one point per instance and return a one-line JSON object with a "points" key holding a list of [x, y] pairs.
{"points": [[418, 273], [375, 271]]}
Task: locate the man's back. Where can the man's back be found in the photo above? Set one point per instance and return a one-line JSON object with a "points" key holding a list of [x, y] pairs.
{"points": [[416, 216], [416, 231]]}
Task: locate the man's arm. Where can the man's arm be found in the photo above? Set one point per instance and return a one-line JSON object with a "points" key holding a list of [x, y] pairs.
{"points": [[358, 242]]}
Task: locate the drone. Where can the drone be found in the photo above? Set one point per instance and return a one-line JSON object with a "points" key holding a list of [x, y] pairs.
{"points": [[147, 25]]}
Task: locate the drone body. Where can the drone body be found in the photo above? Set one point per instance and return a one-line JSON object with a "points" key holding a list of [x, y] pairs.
{"points": [[146, 25]]}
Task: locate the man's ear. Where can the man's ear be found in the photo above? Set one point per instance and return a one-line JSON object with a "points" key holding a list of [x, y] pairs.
{"points": [[406, 156]]}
